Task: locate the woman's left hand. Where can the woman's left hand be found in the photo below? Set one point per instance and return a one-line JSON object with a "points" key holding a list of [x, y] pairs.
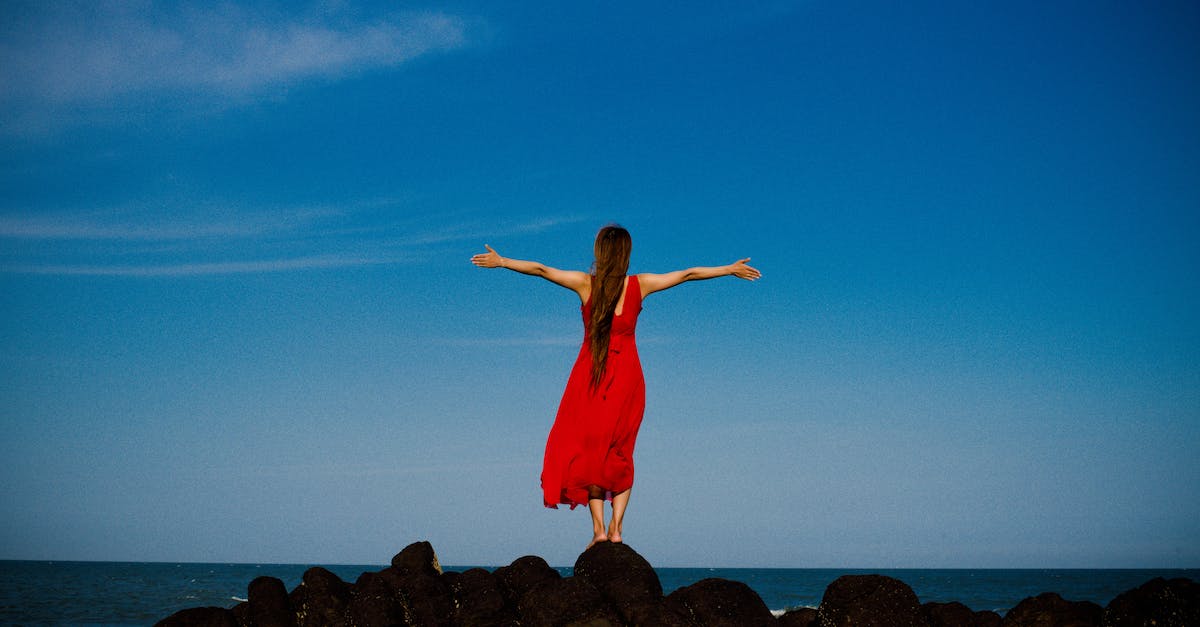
{"points": [[490, 259]]}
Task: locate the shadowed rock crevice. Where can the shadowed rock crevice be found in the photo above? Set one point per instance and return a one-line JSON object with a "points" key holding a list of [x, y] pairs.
{"points": [[613, 585]]}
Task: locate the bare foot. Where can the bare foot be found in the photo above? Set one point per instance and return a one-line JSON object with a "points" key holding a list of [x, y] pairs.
{"points": [[600, 537], [614, 535]]}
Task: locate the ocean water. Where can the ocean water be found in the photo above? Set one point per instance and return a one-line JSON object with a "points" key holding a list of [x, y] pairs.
{"points": [[125, 593]]}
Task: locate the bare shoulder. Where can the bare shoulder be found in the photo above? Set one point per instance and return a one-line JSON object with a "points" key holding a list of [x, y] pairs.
{"points": [[649, 282], [574, 280]]}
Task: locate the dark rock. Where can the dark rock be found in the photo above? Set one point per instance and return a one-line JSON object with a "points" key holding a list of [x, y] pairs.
{"points": [[200, 617], [565, 601], [948, 615], [622, 576], [241, 612], [720, 602], [1050, 610], [375, 603], [321, 600], [958, 615], [1158, 602], [427, 599], [985, 618], [522, 575], [613, 585], [654, 613], [478, 600], [799, 617], [594, 621], [269, 603], [418, 557], [869, 601]]}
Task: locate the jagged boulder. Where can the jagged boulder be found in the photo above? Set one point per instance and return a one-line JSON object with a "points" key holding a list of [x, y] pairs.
{"points": [[270, 605], [958, 615], [321, 600], [522, 575], [478, 600], [622, 576], [869, 601], [565, 601], [1051, 610], [200, 617], [1159, 602], [418, 557], [719, 603]]}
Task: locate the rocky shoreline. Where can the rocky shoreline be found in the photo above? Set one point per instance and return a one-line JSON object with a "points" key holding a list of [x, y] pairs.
{"points": [[613, 585]]}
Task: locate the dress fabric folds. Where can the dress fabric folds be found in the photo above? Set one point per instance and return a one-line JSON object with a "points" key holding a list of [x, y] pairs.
{"points": [[594, 432]]}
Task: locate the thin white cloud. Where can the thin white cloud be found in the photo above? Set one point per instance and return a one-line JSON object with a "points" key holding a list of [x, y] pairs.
{"points": [[123, 224], [59, 57], [201, 269], [126, 225], [182, 241], [477, 231]]}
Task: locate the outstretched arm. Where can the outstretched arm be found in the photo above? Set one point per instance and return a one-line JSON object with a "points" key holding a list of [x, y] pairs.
{"points": [[578, 282], [652, 283]]}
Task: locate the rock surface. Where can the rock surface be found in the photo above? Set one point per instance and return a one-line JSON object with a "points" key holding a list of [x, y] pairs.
{"points": [[869, 601], [958, 615], [200, 617], [425, 596], [374, 603], [613, 585], [1159, 602], [419, 558], [522, 575], [720, 602], [624, 578], [479, 601], [1050, 610], [270, 605], [565, 601], [321, 600], [802, 617]]}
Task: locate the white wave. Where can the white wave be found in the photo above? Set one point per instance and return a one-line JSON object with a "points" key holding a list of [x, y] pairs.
{"points": [[778, 613]]}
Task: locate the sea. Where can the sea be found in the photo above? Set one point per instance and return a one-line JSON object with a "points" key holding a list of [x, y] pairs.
{"points": [[129, 593]]}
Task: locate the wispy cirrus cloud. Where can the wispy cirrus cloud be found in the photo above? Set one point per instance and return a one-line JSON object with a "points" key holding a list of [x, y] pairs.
{"points": [[202, 269], [60, 59], [196, 241], [479, 230], [120, 226]]}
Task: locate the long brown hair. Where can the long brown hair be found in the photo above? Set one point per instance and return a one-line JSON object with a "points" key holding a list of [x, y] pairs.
{"points": [[613, 246]]}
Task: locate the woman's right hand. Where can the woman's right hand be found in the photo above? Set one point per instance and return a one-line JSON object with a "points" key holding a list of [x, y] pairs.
{"points": [[490, 259]]}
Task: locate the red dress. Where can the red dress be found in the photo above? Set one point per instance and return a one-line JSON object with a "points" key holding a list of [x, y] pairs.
{"points": [[591, 442]]}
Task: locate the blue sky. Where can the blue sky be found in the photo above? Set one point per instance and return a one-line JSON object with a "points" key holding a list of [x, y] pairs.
{"points": [[240, 325]]}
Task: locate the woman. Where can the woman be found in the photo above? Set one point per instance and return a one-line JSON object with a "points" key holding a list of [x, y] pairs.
{"points": [[589, 453]]}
